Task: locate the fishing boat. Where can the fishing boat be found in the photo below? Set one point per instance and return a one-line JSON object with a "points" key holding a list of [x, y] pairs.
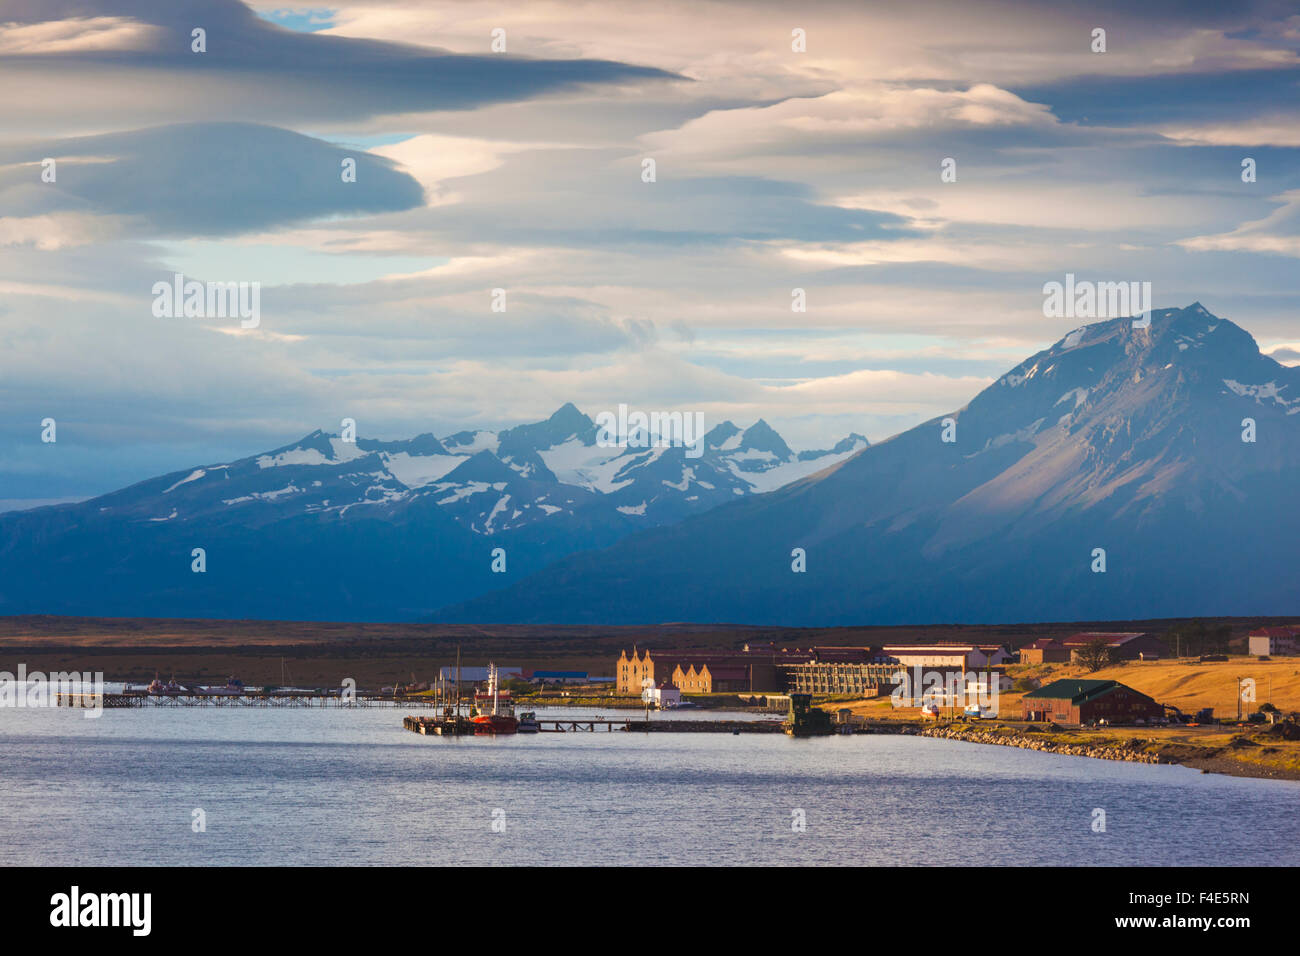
{"points": [[500, 719]]}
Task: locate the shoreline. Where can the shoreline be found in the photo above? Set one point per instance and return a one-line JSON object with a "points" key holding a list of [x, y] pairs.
{"points": [[1134, 749]]}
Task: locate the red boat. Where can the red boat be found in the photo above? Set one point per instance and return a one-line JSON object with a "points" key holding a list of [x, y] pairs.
{"points": [[501, 718]]}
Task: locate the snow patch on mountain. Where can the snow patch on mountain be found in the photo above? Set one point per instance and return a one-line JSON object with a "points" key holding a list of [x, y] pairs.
{"points": [[416, 471], [289, 489], [195, 475], [1080, 395], [1259, 392], [469, 443], [587, 466]]}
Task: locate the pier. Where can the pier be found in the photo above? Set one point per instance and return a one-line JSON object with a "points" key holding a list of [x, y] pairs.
{"points": [[443, 727], [271, 699]]}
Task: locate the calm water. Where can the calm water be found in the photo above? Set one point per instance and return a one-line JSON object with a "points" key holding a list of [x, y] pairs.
{"points": [[352, 787]]}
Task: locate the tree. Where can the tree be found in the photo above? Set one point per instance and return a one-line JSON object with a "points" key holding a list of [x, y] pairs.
{"points": [[1196, 637], [1095, 654]]}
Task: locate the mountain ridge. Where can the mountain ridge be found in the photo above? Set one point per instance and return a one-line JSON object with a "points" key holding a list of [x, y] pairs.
{"points": [[346, 520]]}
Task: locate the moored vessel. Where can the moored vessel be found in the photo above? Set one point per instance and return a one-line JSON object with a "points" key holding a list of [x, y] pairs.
{"points": [[500, 719]]}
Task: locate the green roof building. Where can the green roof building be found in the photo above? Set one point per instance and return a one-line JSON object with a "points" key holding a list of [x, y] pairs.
{"points": [[1072, 701]]}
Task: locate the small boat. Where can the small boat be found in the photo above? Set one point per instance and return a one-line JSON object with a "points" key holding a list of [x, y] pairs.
{"points": [[930, 711], [528, 723]]}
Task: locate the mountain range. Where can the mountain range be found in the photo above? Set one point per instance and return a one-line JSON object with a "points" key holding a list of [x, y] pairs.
{"points": [[1122, 473], [327, 528]]}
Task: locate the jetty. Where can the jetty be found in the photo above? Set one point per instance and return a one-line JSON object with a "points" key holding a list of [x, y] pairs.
{"points": [[254, 699], [446, 726]]}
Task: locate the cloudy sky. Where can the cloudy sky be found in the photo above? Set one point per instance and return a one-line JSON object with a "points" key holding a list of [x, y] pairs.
{"points": [[775, 169]]}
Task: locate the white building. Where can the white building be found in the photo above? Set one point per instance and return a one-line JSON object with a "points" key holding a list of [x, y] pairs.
{"points": [[967, 656], [1275, 641], [665, 695]]}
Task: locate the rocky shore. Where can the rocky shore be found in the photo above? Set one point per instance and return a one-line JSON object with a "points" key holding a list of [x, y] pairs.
{"points": [[1233, 759], [1132, 750]]}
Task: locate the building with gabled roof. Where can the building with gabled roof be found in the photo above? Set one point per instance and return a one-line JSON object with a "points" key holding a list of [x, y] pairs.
{"points": [[948, 654], [1122, 645], [1072, 701]]}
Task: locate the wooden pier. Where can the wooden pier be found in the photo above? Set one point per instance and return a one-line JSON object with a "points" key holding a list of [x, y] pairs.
{"points": [[272, 699], [441, 726], [563, 725]]}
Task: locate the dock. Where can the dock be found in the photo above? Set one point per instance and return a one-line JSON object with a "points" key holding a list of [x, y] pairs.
{"points": [[442, 727], [271, 699]]}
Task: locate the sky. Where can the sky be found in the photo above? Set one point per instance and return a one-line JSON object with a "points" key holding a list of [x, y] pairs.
{"points": [[775, 168]]}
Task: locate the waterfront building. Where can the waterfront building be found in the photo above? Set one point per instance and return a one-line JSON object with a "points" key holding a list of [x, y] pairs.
{"points": [[855, 671], [702, 672], [665, 695], [1071, 702], [861, 679]]}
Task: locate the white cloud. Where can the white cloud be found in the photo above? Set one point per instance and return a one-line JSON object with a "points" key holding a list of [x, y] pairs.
{"points": [[1268, 130], [1276, 234], [77, 35]]}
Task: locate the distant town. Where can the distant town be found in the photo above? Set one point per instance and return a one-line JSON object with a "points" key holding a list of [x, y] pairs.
{"points": [[1221, 695]]}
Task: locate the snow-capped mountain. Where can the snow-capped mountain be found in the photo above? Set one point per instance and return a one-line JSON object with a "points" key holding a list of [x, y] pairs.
{"points": [[323, 506], [490, 482], [1122, 473]]}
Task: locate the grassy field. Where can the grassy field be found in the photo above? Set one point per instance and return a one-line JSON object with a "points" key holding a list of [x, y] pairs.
{"points": [[1253, 750], [1188, 684]]}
